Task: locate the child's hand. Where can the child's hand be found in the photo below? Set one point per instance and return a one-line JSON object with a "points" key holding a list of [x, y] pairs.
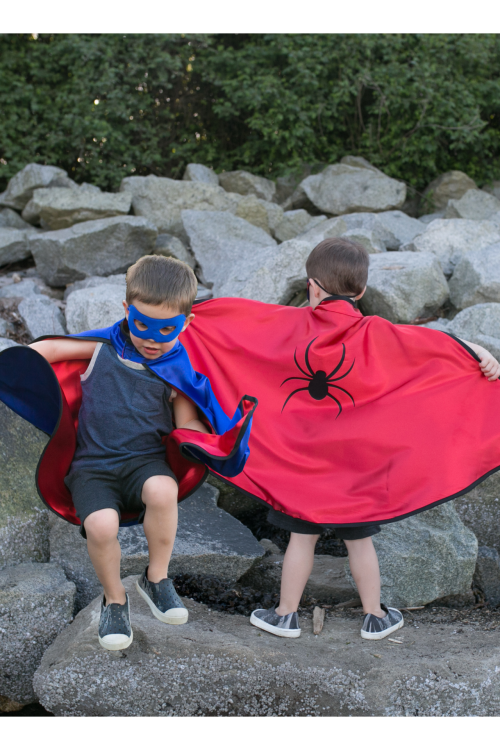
{"points": [[489, 365]]}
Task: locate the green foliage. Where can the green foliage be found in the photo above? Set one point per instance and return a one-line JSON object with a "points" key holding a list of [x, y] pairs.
{"points": [[414, 105]]}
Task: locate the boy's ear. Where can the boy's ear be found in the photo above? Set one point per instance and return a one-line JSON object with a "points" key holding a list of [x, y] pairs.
{"points": [[360, 295], [125, 307], [189, 319]]}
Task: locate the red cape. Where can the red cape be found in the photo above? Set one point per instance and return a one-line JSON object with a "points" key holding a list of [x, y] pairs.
{"points": [[414, 423]]}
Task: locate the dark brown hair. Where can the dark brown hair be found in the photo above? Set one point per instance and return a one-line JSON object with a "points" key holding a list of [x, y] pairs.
{"points": [[340, 265], [157, 280]]}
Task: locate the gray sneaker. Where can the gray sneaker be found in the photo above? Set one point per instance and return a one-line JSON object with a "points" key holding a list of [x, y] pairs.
{"points": [[286, 626], [115, 632], [162, 600], [376, 628]]}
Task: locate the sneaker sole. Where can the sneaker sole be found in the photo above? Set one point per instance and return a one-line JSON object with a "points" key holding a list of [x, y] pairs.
{"points": [[169, 619], [116, 646], [273, 629], [383, 634]]}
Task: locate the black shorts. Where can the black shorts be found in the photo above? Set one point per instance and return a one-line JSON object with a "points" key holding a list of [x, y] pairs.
{"points": [[97, 487], [297, 526]]}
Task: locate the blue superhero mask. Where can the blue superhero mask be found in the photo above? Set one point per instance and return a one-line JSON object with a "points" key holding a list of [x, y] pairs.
{"points": [[154, 326]]}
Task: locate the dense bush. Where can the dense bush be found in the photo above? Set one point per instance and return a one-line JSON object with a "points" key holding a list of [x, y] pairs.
{"points": [[105, 106]]}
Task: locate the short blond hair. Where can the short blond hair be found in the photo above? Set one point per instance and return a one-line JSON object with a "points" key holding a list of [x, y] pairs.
{"points": [[157, 280]]}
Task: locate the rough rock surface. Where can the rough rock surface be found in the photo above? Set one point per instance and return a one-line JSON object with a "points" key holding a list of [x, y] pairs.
{"points": [[476, 278], [59, 208], [399, 228], [24, 531], [474, 204], [22, 289], [487, 574], [479, 509], [14, 245], [200, 173], [219, 665], [327, 583], [479, 324], [493, 188], [42, 316], [425, 557], [341, 189], [209, 542], [448, 186], [450, 239], [36, 603], [95, 307], [6, 343], [260, 213], [12, 220], [92, 248], [161, 200], [229, 250], [404, 286], [20, 188], [377, 232], [358, 161], [172, 247], [296, 222], [117, 279], [240, 506], [246, 183]]}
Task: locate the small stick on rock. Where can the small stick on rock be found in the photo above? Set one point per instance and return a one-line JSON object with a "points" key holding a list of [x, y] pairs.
{"points": [[410, 609], [318, 620], [350, 603]]}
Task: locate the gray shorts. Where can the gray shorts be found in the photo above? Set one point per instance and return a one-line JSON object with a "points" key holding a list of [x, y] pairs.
{"points": [[297, 526], [97, 487]]}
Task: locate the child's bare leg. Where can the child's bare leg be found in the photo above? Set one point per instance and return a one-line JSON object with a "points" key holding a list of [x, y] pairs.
{"points": [[363, 561], [159, 495], [101, 528], [297, 566]]}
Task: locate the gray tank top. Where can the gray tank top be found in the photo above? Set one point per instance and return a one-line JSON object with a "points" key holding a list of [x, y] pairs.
{"points": [[125, 411]]}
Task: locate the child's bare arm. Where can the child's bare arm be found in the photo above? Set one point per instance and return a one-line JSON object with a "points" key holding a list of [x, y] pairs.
{"points": [[186, 415], [489, 365], [56, 350]]}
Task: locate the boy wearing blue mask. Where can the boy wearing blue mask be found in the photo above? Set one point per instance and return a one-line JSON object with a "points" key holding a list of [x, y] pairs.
{"points": [[119, 464]]}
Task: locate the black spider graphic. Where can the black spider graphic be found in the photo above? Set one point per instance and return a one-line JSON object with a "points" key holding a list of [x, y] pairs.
{"points": [[320, 382]]}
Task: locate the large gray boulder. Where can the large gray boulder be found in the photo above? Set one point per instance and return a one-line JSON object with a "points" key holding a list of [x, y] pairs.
{"points": [[474, 204], [399, 228], [14, 245], [425, 557], [246, 183], [172, 247], [479, 324], [217, 664], [20, 188], [209, 542], [28, 287], [36, 603], [11, 219], [24, 530], [342, 189], [42, 316], [448, 186], [260, 213], [358, 161], [6, 343], [450, 239], [229, 250], [476, 278], [296, 222], [161, 200], [200, 173], [493, 188], [92, 248], [404, 286], [59, 208], [327, 583], [479, 509], [95, 307]]}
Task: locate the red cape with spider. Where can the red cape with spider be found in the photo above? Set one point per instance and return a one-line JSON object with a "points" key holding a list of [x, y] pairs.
{"points": [[359, 420]]}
